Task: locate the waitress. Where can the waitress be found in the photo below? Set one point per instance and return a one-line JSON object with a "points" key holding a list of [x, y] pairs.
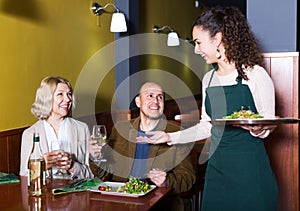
{"points": [[238, 176]]}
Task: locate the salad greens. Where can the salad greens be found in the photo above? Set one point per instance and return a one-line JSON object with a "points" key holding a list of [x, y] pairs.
{"points": [[243, 114], [134, 186]]}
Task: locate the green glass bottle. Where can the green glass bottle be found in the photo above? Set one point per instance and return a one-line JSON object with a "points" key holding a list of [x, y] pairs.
{"points": [[37, 170]]}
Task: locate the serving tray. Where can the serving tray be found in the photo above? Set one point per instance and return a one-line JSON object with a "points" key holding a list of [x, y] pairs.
{"points": [[260, 121]]}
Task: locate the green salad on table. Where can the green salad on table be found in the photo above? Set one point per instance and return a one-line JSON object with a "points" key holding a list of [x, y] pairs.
{"points": [[134, 186]]}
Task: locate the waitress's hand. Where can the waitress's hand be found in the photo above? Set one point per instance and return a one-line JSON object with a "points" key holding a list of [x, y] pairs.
{"points": [[257, 129], [157, 137]]}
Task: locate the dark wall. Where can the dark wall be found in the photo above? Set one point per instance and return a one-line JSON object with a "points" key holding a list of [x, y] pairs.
{"points": [[241, 4], [274, 22]]}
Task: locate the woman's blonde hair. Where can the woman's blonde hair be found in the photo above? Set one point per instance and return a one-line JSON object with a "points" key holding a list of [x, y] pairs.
{"points": [[42, 106]]}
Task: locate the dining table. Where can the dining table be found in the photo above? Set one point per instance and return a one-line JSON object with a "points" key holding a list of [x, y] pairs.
{"points": [[14, 196]]}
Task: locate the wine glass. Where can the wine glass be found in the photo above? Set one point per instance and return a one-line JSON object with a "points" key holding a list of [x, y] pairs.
{"points": [[59, 147], [99, 134], [56, 148]]}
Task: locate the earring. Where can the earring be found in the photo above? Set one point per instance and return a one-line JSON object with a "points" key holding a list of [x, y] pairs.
{"points": [[218, 55]]}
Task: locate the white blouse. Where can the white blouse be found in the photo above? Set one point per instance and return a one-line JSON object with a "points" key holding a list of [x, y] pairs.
{"points": [[60, 142], [261, 87]]}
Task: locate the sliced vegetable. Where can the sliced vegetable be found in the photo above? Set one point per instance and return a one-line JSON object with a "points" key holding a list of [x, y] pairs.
{"points": [[105, 188]]}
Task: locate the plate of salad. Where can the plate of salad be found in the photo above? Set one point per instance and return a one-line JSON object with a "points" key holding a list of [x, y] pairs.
{"points": [[133, 188], [248, 117]]}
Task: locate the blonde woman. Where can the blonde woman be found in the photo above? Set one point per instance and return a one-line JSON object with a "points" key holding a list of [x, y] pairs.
{"points": [[53, 107]]}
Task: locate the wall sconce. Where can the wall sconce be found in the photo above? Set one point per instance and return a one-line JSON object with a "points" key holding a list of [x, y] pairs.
{"points": [[173, 39], [118, 22]]}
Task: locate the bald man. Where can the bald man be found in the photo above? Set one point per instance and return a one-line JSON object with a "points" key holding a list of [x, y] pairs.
{"points": [[162, 165]]}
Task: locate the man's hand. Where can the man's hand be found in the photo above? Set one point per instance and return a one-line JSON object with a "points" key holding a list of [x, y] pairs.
{"points": [[158, 177], [94, 148]]}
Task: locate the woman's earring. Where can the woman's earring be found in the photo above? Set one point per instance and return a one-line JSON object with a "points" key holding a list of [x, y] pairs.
{"points": [[218, 55]]}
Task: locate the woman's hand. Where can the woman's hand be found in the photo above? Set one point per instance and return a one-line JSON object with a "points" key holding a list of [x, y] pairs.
{"points": [[257, 129], [63, 160], [158, 177], [157, 137], [94, 148], [50, 159]]}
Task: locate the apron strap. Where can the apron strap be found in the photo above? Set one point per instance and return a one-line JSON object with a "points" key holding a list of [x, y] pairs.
{"points": [[239, 78], [211, 77], [216, 67]]}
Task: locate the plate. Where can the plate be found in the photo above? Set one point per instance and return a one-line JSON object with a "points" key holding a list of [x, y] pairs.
{"points": [[114, 186], [262, 121]]}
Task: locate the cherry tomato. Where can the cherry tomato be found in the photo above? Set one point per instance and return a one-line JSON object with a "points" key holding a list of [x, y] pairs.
{"points": [[102, 188]]}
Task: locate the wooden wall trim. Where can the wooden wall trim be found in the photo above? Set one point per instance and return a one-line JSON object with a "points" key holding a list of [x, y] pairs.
{"points": [[6, 133], [10, 148], [281, 54], [282, 145]]}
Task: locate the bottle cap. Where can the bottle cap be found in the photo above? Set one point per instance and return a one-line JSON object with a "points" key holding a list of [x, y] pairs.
{"points": [[36, 138]]}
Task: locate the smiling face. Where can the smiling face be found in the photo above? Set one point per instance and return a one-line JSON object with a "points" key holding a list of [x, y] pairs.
{"points": [[150, 101], [61, 101], [205, 45]]}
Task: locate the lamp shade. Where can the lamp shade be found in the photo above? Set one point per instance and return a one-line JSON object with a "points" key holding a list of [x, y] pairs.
{"points": [[118, 23], [173, 39]]}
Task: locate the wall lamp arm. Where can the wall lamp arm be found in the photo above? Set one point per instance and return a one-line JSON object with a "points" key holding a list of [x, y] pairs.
{"points": [[97, 9], [156, 29]]}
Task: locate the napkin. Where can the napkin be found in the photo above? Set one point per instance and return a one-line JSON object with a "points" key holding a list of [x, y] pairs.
{"points": [[8, 178], [78, 186]]}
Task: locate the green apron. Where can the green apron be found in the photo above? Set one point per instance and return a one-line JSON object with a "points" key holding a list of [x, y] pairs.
{"points": [[238, 176]]}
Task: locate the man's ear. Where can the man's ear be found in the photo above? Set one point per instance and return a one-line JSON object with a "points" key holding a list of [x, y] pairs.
{"points": [[137, 101]]}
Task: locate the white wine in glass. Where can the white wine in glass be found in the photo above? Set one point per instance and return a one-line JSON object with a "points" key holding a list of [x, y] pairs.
{"points": [[60, 147], [56, 147], [99, 134]]}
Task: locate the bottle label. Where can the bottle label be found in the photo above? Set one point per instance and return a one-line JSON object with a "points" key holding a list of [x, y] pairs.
{"points": [[35, 169], [37, 181]]}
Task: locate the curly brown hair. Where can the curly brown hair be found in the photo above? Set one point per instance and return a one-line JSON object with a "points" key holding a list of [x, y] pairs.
{"points": [[240, 45]]}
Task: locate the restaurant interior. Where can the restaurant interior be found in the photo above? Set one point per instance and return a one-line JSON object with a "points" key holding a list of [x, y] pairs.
{"points": [[106, 66]]}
